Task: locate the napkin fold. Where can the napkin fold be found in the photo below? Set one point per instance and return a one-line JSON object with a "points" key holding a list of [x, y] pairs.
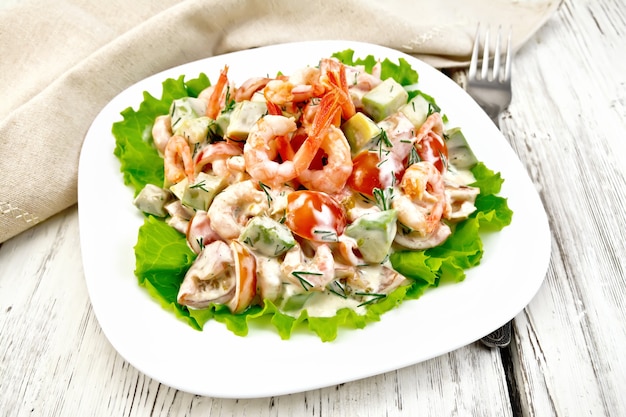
{"points": [[63, 61]]}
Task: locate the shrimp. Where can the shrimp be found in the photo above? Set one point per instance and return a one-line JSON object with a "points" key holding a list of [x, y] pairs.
{"points": [[261, 150], [234, 206], [332, 177], [249, 87], [312, 274], [401, 133], [460, 201], [421, 201], [376, 280], [178, 162], [430, 144], [231, 168], [325, 116], [215, 152], [301, 86], [432, 125], [162, 132], [215, 102], [334, 78], [360, 82]]}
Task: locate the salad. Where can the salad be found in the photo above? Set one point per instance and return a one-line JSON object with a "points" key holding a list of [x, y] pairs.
{"points": [[318, 199]]}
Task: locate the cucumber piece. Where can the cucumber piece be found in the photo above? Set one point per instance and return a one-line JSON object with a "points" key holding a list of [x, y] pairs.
{"points": [[384, 99], [267, 236], [374, 234]]}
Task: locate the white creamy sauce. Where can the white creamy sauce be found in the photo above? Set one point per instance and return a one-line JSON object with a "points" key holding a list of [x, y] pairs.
{"points": [[326, 304], [459, 176]]}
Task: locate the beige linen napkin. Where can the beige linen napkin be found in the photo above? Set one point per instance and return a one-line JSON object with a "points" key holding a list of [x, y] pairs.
{"points": [[62, 61]]}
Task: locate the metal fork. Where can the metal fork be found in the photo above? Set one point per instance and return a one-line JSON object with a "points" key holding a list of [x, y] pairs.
{"points": [[491, 88]]}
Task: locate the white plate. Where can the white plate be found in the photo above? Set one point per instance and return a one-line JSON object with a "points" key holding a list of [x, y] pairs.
{"points": [[217, 363]]}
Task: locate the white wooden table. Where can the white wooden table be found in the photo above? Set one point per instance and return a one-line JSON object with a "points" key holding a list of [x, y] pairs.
{"points": [[567, 123]]}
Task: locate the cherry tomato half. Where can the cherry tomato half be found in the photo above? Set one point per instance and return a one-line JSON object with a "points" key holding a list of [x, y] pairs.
{"points": [[366, 172], [315, 215], [433, 149]]}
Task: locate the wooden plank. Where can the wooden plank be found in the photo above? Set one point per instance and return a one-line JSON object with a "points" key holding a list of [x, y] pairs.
{"points": [[568, 355]]}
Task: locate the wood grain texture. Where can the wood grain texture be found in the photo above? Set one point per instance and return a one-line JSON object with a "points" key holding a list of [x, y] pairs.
{"points": [[568, 354], [566, 123]]}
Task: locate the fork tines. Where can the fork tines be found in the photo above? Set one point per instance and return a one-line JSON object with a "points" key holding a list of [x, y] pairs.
{"points": [[498, 73]]}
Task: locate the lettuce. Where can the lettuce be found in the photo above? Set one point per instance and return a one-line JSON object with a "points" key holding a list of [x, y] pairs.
{"points": [[163, 257]]}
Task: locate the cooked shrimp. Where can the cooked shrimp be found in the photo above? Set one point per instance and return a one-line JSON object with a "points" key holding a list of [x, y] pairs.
{"points": [[216, 100], [178, 162], [232, 168], [332, 177], [325, 116], [162, 132], [246, 90], [401, 133], [214, 152], [261, 151], [376, 280], [432, 125], [312, 274], [301, 86], [460, 200], [414, 240], [334, 78], [234, 206], [421, 200], [360, 82]]}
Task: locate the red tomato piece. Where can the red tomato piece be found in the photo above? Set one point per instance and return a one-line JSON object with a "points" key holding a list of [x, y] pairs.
{"points": [[315, 215], [369, 172], [365, 173], [245, 273]]}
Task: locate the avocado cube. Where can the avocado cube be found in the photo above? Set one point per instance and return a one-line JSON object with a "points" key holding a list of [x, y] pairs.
{"points": [[152, 200], [186, 108], [384, 99], [199, 194], [196, 130], [244, 116], [360, 131], [374, 234], [416, 110], [267, 236], [459, 152]]}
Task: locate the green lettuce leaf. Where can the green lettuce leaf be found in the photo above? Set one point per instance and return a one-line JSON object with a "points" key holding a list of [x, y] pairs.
{"points": [[163, 257], [140, 161], [402, 72]]}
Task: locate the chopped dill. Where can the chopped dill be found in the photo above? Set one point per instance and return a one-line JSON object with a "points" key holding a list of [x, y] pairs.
{"points": [[201, 185], [306, 284], [375, 297]]}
